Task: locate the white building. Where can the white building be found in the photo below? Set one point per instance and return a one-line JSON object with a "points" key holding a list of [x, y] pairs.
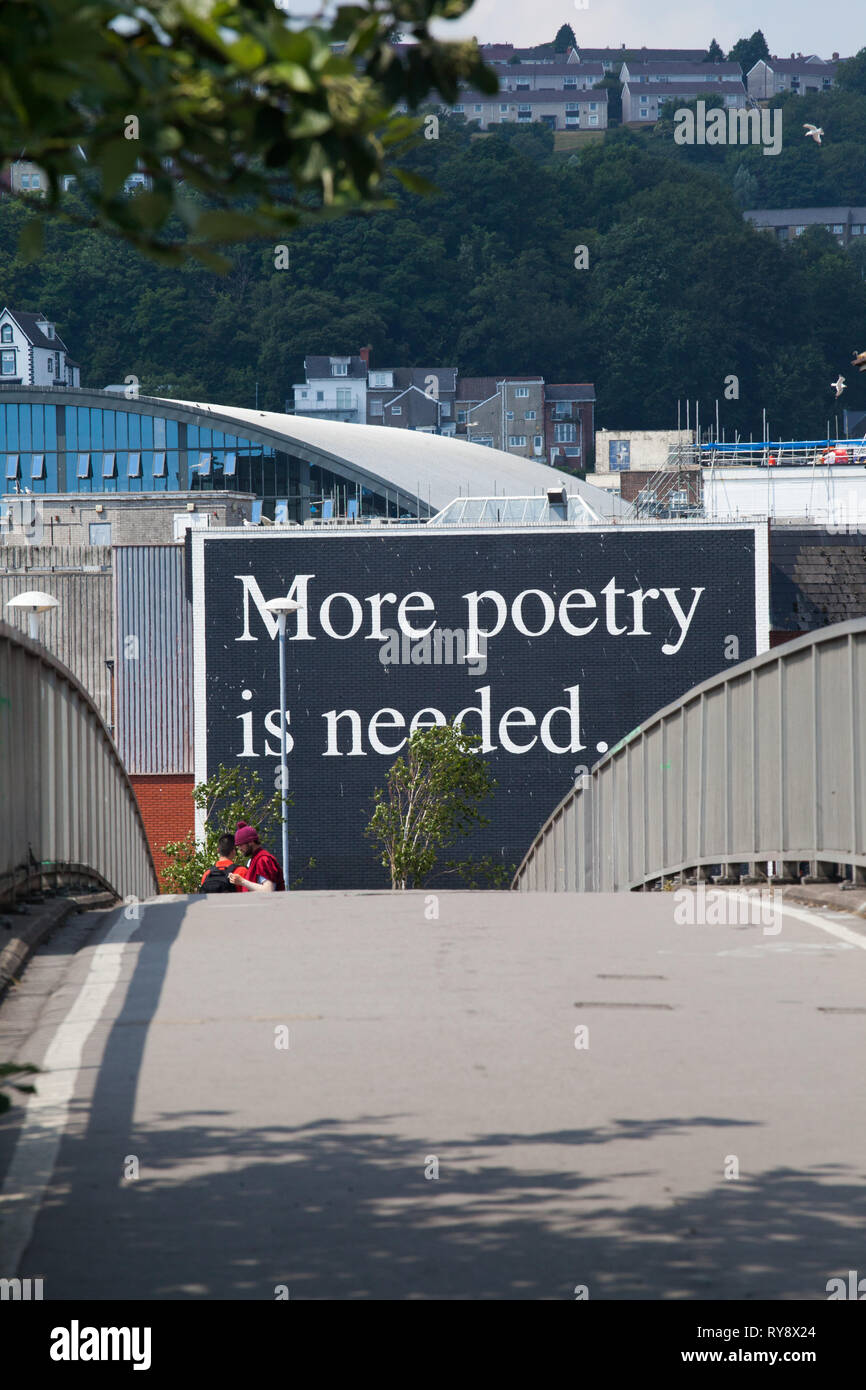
{"points": [[796, 74], [642, 102], [32, 353], [677, 71], [559, 108], [335, 389]]}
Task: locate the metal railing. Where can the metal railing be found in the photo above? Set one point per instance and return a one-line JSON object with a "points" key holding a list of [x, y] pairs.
{"points": [[752, 773], [67, 807]]}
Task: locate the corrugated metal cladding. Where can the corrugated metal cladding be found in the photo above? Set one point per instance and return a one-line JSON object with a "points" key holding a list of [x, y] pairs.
{"points": [[154, 659], [80, 633]]}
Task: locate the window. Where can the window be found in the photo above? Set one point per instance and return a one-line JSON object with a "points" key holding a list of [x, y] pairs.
{"points": [[445, 409], [458, 110], [798, 231], [396, 410], [517, 441], [344, 398], [856, 228], [100, 532], [593, 120], [564, 434], [50, 363], [7, 363], [339, 369], [538, 443], [509, 414], [25, 180], [204, 462], [320, 395], [521, 391], [478, 106], [377, 408], [572, 108], [6, 333], [304, 395], [37, 466], [529, 414], [159, 465], [382, 379], [11, 465], [569, 82], [522, 85], [503, 108], [108, 465], [593, 106], [230, 467], [133, 469], [461, 417], [838, 228]]}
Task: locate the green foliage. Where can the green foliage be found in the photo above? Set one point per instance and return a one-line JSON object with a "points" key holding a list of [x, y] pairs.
{"points": [[8, 1070], [715, 53], [851, 74], [679, 294], [230, 795], [230, 99], [564, 39], [748, 52], [430, 800]]}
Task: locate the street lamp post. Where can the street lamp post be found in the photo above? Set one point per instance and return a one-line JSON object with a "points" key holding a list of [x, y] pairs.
{"points": [[282, 607], [33, 603]]}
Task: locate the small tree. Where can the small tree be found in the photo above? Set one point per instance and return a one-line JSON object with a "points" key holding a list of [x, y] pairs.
{"points": [[430, 799], [564, 39], [714, 53], [230, 795]]}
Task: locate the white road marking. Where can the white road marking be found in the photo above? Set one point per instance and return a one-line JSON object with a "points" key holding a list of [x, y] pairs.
{"points": [[826, 924], [45, 1118]]}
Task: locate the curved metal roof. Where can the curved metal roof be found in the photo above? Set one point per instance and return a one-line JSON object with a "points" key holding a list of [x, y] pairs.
{"points": [[432, 467]]}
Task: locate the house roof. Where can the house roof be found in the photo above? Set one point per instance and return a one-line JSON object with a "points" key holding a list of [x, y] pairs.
{"points": [[693, 55], [666, 66], [549, 94], [595, 69], [797, 64], [790, 217], [319, 367], [27, 323], [698, 89], [405, 377], [481, 388]]}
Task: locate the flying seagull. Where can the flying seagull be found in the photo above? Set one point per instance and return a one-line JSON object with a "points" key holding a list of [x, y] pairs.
{"points": [[813, 132], [838, 386], [859, 360]]}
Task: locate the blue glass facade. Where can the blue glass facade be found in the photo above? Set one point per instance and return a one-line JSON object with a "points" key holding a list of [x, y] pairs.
{"points": [[51, 447]]}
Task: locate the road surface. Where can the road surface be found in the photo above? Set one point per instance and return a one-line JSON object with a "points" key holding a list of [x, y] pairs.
{"points": [[248, 1098]]}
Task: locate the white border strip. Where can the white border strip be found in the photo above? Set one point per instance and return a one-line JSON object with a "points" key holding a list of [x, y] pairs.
{"points": [[199, 653], [47, 1114], [762, 588]]}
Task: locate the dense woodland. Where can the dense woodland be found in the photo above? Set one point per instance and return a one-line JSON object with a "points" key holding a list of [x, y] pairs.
{"points": [[680, 293]]}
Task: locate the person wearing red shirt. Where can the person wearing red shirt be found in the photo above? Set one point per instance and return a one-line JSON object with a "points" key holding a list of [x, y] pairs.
{"points": [[262, 874], [225, 845]]}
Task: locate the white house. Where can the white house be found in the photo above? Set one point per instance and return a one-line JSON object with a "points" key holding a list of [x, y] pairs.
{"points": [[796, 74], [32, 353], [335, 389], [558, 108], [643, 101]]}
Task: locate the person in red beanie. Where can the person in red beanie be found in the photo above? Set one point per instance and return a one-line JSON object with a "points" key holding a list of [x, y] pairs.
{"points": [[262, 874]]}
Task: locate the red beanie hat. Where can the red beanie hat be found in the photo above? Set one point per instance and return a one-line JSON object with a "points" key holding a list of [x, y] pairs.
{"points": [[245, 834]]}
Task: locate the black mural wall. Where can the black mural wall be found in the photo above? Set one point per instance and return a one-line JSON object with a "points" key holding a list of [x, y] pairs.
{"points": [[590, 633]]}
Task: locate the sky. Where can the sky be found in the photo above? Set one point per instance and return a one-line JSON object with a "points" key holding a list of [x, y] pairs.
{"points": [[789, 26]]}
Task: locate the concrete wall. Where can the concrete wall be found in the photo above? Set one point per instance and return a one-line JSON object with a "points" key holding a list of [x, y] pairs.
{"points": [[648, 449], [135, 518]]}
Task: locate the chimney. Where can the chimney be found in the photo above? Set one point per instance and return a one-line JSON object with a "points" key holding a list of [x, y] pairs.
{"points": [[364, 355]]}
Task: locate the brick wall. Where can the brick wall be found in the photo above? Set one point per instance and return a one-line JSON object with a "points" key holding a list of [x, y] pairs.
{"points": [[167, 809]]}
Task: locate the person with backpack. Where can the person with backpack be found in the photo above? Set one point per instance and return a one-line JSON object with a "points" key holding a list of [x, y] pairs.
{"points": [[216, 879], [263, 873]]}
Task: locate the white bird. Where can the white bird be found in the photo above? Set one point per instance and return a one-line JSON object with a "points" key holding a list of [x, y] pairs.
{"points": [[838, 386], [813, 132]]}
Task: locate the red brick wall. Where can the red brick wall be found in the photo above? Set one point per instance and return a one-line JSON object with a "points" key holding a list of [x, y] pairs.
{"points": [[167, 810]]}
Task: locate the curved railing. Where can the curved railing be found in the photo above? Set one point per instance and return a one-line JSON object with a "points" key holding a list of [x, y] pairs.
{"points": [[67, 808], [761, 765]]}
